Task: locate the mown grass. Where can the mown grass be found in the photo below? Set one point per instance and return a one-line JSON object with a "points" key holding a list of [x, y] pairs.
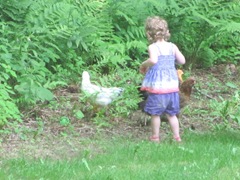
{"points": [[213, 155]]}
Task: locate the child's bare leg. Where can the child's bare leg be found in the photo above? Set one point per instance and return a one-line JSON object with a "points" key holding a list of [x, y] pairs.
{"points": [[174, 123], [155, 124]]}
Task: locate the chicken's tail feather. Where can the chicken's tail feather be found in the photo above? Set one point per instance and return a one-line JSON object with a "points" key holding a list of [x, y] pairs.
{"points": [[85, 77]]}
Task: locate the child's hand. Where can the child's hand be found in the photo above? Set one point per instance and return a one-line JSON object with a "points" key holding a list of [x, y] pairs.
{"points": [[143, 69]]}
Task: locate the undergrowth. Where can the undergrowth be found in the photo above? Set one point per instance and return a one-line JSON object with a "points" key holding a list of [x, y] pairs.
{"points": [[46, 44]]}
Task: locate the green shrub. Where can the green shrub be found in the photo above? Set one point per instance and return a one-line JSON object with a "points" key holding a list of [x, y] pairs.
{"points": [[199, 27], [8, 108]]}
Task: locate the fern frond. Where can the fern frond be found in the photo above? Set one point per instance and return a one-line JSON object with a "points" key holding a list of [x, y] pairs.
{"points": [[230, 27], [209, 21]]}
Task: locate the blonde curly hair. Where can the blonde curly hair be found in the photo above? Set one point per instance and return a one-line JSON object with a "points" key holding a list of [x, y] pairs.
{"points": [[156, 29]]}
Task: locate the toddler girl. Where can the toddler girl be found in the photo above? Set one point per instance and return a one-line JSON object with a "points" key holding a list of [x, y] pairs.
{"points": [[161, 80]]}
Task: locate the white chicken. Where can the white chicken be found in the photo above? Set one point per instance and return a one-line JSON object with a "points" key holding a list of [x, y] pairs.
{"points": [[101, 95]]}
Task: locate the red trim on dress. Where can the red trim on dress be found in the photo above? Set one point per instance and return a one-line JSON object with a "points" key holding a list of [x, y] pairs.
{"points": [[159, 91]]}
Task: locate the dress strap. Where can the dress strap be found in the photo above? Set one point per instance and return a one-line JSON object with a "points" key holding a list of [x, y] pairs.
{"points": [[159, 50], [171, 49]]}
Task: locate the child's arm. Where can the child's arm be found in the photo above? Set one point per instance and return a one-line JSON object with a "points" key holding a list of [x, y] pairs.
{"points": [[179, 56], [153, 58]]}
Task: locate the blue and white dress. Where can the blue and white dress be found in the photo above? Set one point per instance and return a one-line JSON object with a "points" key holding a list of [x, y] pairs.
{"points": [[161, 81]]}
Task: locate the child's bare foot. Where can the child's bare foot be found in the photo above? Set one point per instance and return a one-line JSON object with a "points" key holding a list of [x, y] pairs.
{"points": [[178, 139], [154, 138]]}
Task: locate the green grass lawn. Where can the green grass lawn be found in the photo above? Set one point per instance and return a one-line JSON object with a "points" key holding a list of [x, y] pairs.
{"points": [[214, 155]]}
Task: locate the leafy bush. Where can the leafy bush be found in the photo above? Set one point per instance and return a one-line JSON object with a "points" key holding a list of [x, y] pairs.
{"points": [[8, 108], [199, 27]]}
